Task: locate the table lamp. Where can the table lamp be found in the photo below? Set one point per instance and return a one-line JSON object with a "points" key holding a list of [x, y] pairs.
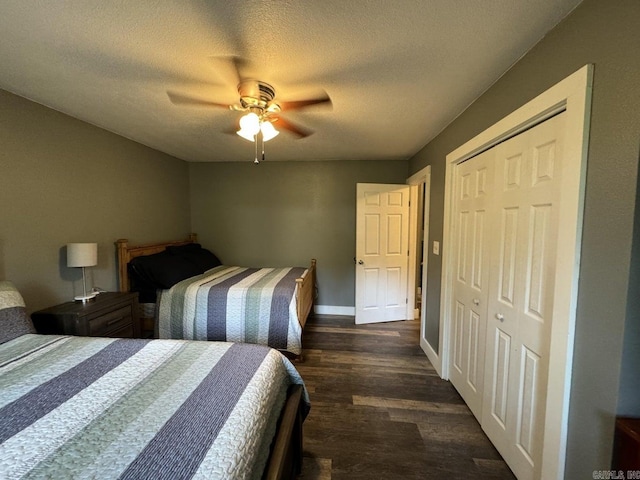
{"points": [[82, 255]]}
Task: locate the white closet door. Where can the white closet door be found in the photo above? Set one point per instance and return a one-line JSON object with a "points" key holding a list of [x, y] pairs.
{"points": [[526, 195], [472, 230]]}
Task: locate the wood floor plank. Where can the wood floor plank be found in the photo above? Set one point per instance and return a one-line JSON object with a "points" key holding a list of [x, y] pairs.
{"points": [[402, 404], [380, 411], [384, 333], [316, 469]]}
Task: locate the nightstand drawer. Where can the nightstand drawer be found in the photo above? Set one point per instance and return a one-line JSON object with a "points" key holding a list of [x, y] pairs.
{"points": [[126, 332], [109, 322], [110, 314]]}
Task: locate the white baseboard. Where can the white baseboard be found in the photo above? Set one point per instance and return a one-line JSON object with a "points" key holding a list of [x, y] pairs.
{"points": [[334, 310]]}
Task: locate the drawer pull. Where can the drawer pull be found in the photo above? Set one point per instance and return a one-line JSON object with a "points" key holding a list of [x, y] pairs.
{"points": [[107, 320]]}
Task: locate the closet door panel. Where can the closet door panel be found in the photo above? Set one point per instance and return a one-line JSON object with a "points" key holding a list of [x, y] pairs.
{"points": [[472, 228], [520, 299]]}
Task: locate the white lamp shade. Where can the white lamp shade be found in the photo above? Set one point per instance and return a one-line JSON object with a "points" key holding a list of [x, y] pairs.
{"points": [[247, 135], [268, 131], [250, 123], [82, 254]]}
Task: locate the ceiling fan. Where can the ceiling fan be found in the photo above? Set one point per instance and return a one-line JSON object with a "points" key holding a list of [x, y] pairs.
{"points": [[258, 101]]}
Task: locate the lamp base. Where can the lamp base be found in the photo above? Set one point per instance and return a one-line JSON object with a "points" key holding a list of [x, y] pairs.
{"points": [[85, 298]]}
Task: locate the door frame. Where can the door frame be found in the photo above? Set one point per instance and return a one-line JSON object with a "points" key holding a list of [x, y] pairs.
{"points": [[573, 95], [423, 176]]}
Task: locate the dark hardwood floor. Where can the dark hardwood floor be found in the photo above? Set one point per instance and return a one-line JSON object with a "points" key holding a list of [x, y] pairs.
{"points": [[380, 411]]}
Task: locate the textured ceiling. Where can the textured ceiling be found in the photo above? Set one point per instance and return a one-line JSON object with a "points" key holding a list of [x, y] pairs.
{"points": [[397, 71]]}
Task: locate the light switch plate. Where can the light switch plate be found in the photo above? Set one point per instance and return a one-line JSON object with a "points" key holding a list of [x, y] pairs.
{"points": [[436, 247]]}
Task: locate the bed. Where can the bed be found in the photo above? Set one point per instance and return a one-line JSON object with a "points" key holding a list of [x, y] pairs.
{"points": [[267, 306], [80, 407]]}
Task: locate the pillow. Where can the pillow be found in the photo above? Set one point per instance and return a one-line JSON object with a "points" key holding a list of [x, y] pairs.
{"points": [[14, 320], [163, 270], [202, 258], [145, 288]]}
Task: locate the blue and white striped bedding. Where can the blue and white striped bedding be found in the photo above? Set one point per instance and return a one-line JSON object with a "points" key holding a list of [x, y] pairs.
{"points": [[234, 304], [76, 407]]}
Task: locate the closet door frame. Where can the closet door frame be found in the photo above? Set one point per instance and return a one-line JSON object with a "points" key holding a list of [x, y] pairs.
{"points": [[572, 95]]}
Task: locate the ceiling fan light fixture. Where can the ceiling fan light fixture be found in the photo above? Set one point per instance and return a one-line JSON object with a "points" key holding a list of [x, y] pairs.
{"points": [[246, 135], [250, 123], [268, 131]]}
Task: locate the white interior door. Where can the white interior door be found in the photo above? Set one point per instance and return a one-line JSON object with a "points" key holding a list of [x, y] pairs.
{"points": [[472, 233], [382, 252], [526, 198]]}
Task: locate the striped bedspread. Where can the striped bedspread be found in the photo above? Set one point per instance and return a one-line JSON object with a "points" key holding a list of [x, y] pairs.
{"points": [[102, 408], [234, 304]]}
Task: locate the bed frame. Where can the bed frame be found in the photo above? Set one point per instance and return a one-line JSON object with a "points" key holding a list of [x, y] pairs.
{"points": [[285, 458], [304, 294]]}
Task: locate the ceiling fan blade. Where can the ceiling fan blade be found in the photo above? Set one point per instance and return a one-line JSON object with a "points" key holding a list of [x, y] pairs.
{"points": [[180, 99], [231, 130], [230, 68], [297, 130], [298, 104]]}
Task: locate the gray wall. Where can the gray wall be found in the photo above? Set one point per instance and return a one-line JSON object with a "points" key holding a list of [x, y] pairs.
{"points": [[605, 34], [62, 181], [629, 398], [285, 213]]}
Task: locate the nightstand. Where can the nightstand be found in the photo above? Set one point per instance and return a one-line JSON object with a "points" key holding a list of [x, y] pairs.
{"points": [[110, 314]]}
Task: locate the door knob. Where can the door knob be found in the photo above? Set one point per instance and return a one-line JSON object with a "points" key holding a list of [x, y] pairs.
{"points": [[500, 317], [360, 262], [476, 301]]}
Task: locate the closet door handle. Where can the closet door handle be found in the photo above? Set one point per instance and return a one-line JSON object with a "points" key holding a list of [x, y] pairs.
{"points": [[500, 317], [476, 301]]}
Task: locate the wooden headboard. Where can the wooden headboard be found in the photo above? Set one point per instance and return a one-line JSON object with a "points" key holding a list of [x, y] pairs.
{"points": [[126, 253]]}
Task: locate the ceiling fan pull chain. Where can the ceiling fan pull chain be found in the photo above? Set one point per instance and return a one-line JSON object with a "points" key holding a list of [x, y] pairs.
{"points": [[255, 142]]}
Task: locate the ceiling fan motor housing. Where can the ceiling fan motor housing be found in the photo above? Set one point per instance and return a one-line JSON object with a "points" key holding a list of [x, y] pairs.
{"points": [[256, 94]]}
